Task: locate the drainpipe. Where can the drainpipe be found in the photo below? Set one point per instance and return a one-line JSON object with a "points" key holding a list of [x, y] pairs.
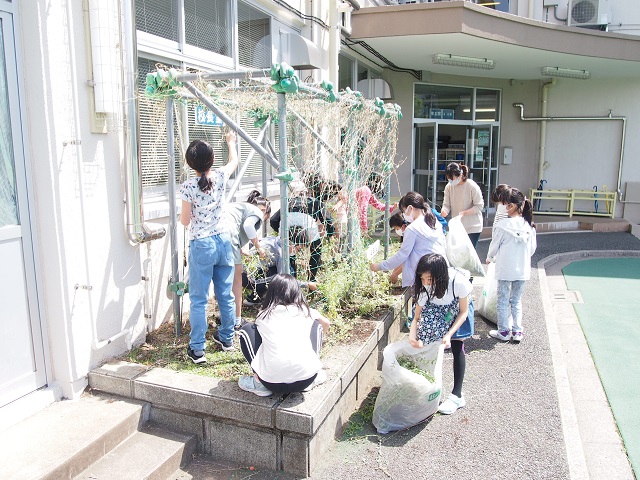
{"points": [[137, 230], [334, 41], [530, 13], [543, 128], [605, 118]]}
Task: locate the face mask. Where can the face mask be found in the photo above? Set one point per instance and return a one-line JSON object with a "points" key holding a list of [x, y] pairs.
{"points": [[407, 216], [501, 209], [399, 232], [455, 182]]}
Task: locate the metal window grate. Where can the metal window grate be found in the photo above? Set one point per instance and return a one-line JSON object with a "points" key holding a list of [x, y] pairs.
{"points": [[158, 17], [208, 25], [254, 37]]}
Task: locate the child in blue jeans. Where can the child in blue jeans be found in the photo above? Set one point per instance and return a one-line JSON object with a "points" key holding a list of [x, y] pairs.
{"points": [[210, 254], [513, 244]]}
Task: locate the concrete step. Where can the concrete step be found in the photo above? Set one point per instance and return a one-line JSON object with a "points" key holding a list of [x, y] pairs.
{"points": [[205, 467], [62, 440], [151, 453]]}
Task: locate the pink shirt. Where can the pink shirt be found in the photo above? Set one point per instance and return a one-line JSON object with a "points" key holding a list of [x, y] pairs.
{"points": [[365, 197]]}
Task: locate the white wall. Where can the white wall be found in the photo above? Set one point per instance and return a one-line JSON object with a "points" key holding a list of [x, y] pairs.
{"points": [[79, 205]]}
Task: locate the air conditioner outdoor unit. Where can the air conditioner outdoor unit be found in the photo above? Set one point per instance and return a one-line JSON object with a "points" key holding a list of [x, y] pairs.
{"points": [[584, 13]]}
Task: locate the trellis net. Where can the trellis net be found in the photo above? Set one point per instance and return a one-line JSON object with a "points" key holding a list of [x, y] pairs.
{"points": [[339, 152]]}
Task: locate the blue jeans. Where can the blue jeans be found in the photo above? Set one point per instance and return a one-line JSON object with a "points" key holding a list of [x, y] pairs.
{"points": [[211, 259], [509, 295]]}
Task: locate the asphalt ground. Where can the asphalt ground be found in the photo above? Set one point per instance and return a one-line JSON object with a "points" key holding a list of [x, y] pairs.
{"points": [[511, 426]]}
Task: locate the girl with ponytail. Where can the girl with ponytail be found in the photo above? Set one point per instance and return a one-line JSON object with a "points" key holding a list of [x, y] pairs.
{"points": [[210, 256], [513, 244], [463, 198]]}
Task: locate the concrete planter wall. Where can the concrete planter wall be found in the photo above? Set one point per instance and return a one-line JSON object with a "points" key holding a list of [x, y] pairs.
{"points": [[287, 433]]}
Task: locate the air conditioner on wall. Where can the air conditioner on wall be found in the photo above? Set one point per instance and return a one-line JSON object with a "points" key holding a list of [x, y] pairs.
{"points": [[585, 13]]}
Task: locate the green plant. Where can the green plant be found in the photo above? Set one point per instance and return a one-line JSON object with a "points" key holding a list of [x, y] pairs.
{"points": [[409, 364]]}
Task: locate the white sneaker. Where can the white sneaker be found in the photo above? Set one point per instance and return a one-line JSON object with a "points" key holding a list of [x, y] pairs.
{"points": [[451, 404], [503, 336], [248, 383], [321, 377]]}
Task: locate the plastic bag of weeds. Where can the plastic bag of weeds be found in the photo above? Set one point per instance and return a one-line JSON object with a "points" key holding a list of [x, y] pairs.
{"points": [[487, 304], [406, 398], [460, 251]]}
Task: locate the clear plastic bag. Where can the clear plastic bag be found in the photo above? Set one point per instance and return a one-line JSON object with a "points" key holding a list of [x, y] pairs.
{"points": [[487, 304], [407, 398], [460, 251]]}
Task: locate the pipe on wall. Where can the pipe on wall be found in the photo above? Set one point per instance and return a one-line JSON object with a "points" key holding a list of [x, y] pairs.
{"points": [[137, 230], [604, 118], [543, 128]]}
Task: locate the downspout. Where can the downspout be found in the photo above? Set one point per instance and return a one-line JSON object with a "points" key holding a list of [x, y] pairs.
{"points": [[137, 231], [530, 13], [607, 117], [543, 128], [334, 41]]}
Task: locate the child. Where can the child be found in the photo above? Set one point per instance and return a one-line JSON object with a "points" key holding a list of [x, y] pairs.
{"points": [[423, 235], [499, 197], [441, 297], [513, 244], [210, 256], [271, 264], [365, 196], [243, 222], [283, 345], [398, 224]]}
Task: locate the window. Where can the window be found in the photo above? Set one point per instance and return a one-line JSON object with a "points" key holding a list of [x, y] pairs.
{"points": [[254, 37], [345, 73], [158, 17], [442, 102], [208, 25]]}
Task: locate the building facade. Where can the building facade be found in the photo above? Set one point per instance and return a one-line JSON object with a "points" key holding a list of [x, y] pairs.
{"points": [[85, 262]]}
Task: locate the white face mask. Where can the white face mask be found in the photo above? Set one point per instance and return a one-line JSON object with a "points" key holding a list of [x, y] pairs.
{"points": [[454, 182], [399, 232], [408, 217], [501, 208]]}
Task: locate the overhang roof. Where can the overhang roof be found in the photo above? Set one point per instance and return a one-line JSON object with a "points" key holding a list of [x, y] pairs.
{"points": [[409, 35]]}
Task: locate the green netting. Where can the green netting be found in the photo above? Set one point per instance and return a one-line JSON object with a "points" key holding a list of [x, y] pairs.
{"points": [[336, 148]]}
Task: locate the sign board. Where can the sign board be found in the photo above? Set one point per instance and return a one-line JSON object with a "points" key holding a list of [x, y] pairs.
{"points": [[204, 116], [373, 249]]}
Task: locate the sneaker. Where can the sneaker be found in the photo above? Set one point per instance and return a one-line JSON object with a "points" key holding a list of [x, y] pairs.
{"points": [[197, 356], [451, 404], [226, 346], [516, 337], [251, 302], [502, 335], [248, 383], [321, 377]]}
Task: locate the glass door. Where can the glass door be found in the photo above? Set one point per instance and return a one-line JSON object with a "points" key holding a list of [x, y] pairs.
{"points": [[21, 347], [425, 169], [481, 154]]}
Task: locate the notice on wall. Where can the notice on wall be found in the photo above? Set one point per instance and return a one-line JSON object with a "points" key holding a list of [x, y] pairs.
{"points": [[483, 138], [479, 155]]}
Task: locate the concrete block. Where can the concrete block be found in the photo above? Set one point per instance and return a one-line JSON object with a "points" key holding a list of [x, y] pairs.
{"points": [[331, 427], [352, 369], [366, 376], [204, 396], [295, 454], [182, 422], [116, 377], [246, 446]]}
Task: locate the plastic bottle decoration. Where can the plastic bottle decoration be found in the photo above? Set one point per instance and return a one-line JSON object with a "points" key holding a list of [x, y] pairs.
{"points": [[285, 77]]}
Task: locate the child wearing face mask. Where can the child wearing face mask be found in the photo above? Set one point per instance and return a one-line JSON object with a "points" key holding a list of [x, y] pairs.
{"points": [[422, 235], [500, 198], [463, 197]]}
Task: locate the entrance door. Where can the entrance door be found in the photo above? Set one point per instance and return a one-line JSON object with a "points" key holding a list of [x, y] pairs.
{"points": [[21, 348], [425, 175], [482, 159]]}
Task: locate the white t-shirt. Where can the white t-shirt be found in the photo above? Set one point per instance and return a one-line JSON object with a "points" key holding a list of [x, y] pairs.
{"points": [[462, 288], [206, 208], [286, 354]]}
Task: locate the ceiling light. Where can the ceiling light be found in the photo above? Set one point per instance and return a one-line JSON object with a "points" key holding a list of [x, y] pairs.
{"points": [[458, 61], [478, 110], [565, 72]]}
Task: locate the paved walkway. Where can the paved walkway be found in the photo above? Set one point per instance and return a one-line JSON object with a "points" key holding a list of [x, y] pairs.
{"points": [[520, 420]]}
